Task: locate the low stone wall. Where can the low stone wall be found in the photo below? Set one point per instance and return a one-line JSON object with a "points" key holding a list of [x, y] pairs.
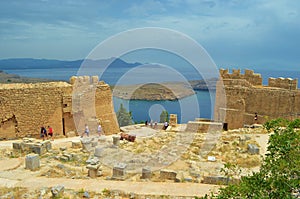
{"points": [[203, 127]]}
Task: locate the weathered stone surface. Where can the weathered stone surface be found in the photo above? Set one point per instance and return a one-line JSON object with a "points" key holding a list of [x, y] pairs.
{"points": [[32, 162], [116, 140], [203, 126], [146, 173], [93, 161], [219, 180], [168, 174], [38, 149], [94, 143], [76, 144], [253, 149], [98, 151], [17, 145], [119, 171], [57, 191], [173, 120]]}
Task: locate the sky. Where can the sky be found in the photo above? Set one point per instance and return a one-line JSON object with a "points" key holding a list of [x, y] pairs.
{"points": [[243, 33]]}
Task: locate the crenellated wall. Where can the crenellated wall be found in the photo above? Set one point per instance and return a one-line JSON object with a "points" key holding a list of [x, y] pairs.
{"points": [[285, 83], [249, 76], [246, 96], [24, 108]]}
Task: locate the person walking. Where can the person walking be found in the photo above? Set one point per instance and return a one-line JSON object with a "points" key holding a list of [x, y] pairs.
{"points": [[50, 132], [99, 129], [86, 131], [43, 133]]}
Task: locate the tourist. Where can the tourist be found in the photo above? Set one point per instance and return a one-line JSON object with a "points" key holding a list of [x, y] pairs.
{"points": [[155, 125], [255, 118], [50, 129], [43, 132], [99, 129], [166, 125], [86, 131], [151, 123]]}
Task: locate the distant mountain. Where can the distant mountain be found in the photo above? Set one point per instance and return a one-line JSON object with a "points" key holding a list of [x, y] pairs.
{"points": [[26, 63]]}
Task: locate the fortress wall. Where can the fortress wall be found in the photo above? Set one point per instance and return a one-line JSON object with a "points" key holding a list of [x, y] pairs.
{"points": [[285, 83], [105, 109], [244, 100], [31, 106], [94, 104], [24, 108]]}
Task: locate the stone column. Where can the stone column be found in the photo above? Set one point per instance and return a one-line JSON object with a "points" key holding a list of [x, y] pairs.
{"points": [[173, 120], [116, 140]]}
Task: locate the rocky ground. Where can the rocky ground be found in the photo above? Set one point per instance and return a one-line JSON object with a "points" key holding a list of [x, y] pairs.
{"points": [[181, 152]]}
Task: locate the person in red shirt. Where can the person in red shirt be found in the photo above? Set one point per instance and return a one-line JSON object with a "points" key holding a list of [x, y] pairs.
{"points": [[50, 132]]}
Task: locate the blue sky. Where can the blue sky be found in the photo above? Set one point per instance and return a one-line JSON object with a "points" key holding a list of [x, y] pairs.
{"points": [[258, 33]]}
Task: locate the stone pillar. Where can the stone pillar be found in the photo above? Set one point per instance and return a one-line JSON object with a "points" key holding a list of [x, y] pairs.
{"points": [[146, 173], [173, 120], [116, 140], [119, 171], [98, 151], [32, 162]]}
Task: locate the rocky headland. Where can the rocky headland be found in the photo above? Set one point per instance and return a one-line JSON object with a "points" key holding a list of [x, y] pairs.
{"points": [[13, 78], [162, 91]]}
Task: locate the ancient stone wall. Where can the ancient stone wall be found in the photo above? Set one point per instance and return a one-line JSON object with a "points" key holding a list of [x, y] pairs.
{"points": [[246, 96], [24, 108]]}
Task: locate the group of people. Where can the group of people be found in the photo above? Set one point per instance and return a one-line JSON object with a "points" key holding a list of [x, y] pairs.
{"points": [[151, 124], [45, 133], [87, 130]]}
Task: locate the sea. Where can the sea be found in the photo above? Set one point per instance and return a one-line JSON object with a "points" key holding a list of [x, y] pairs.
{"points": [[199, 105]]}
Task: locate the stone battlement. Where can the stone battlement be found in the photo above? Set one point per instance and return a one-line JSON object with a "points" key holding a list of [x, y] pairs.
{"points": [[249, 75], [84, 80], [285, 83]]}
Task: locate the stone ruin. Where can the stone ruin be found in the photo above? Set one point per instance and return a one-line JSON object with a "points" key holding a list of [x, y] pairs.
{"points": [[31, 145]]}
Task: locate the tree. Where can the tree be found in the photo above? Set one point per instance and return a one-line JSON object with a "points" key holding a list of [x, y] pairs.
{"points": [[124, 117], [279, 174], [164, 116]]}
